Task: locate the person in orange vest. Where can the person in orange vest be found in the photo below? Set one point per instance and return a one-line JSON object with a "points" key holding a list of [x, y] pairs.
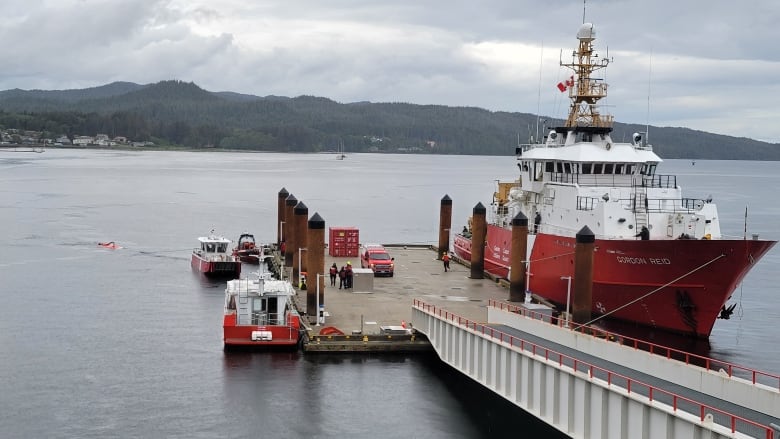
{"points": [[446, 259], [334, 271]]}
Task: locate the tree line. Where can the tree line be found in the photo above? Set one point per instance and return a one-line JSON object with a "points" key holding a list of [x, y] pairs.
{"points": [[177, 113]]}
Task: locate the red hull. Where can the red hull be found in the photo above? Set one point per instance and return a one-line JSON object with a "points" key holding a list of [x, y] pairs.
{"points": [[241, 335], [229, 269], [248, 257], [703, 275]]}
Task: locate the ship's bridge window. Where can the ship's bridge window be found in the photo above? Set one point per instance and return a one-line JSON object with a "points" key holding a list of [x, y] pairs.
{"points": [[539, 171], [210, 247], [567, 168], [549, 166], [222, 247], [586, 168], [608, 168], [648, 169], [598, 168], [619, 169], [631, 169]]}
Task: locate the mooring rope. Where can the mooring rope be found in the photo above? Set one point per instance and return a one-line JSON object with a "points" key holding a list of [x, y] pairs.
{"points": [[651, 292]]}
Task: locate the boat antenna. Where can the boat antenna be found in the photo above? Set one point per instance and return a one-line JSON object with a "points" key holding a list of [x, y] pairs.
{"points": [[539, 92], [649, 81], [583, 11]]}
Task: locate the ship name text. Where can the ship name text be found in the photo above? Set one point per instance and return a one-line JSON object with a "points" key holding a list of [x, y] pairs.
{"points": [[643, 261]]}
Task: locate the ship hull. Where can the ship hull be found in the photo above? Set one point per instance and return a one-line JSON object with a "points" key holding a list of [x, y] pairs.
{"points": [[277, 336], [230, 269], [674, 285]]}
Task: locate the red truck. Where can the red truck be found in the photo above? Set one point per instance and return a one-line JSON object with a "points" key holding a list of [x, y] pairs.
{"points": [[376, 257]]}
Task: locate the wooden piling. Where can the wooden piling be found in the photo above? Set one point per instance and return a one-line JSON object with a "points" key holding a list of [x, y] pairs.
{"points": [[478, 235], [315, 264], [280, 214], [517, 257], [301, 216], [583, 275], [445, 222], [289, 230]]}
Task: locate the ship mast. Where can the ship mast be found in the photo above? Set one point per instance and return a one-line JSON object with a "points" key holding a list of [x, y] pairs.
{"points": [[587, 91]]}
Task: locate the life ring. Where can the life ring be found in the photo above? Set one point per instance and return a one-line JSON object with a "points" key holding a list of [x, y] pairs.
{"points": [[608, 146]]}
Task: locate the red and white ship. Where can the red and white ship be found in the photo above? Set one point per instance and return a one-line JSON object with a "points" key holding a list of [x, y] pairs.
{"points": [[678, 276], [247, 249], [260, 313], [214, 257]]}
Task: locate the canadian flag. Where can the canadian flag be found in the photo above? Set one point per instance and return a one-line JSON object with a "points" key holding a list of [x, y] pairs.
{"points": [[562, 86]]}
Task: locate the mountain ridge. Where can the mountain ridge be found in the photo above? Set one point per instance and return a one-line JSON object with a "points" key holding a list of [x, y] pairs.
{"points": [[182, 113]]}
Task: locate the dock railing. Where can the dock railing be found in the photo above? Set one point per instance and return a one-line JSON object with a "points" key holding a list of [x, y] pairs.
{"points": [[730, 369], [676, 402]]}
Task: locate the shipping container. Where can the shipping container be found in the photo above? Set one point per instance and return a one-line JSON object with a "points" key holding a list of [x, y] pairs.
{"points": [[343, 241]]}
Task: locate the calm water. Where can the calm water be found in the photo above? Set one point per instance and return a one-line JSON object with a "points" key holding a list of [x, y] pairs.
{"points": [[127, 343]]}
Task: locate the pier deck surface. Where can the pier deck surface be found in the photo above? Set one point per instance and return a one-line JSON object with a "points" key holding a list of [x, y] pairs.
{"points": [[418, 274]]}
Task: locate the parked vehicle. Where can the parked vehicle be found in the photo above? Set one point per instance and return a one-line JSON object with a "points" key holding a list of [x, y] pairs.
{"points": [[376, 257]]}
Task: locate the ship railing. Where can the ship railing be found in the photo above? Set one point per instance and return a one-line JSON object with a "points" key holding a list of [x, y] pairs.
{"points": [[657, 181], [756, 377], [598, 180], [260, 318], [664, 205], [677, 402], [614, 180], [657, 205]]}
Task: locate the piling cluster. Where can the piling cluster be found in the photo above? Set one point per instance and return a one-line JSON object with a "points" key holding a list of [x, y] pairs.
{"points": [[519, 257], [302, 240]]}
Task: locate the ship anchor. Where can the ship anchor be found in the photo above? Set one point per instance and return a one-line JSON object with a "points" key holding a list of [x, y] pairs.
{"points": [[725, 313]]}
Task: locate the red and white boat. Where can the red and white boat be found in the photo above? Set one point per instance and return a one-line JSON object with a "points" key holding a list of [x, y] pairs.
{"points": [[214, 257], [247, 250], [678, 277], [260, 313]]}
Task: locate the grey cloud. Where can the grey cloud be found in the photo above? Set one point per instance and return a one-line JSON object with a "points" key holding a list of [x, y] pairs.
{"points": [[709, 63]]}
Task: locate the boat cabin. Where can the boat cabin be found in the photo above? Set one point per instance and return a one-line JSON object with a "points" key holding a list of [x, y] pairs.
{"points": [[258, 302], [213, 246]]}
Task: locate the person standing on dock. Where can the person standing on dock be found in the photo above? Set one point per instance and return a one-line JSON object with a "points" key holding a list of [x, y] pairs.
{"points": [[349, 274], [334, 271], [446, 259], [343, 277]]}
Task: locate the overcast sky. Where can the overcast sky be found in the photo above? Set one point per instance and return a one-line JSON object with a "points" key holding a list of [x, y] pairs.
{"points": [[707, 65]]}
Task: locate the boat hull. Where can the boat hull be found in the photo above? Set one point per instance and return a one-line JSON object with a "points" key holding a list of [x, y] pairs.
{"points": [[278, 336], [230, 269], [249, 256], [675, 285]]}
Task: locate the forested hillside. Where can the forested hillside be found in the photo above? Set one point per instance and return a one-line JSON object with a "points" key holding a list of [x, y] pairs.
{"points": [[183, 114]]}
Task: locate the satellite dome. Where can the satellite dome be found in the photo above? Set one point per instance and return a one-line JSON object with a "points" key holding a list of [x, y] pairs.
{"points": [[586, 33]]}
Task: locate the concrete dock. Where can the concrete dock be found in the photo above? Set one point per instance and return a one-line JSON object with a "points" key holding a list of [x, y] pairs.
{"points": [[360, 314]]}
